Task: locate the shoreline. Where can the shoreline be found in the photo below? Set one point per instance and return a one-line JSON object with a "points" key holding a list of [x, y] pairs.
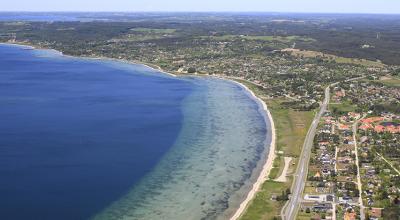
{"points": [[271, 155], [267, 166], [150, 66]]}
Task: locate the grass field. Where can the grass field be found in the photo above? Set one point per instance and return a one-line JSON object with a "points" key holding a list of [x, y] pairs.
{"points": [[344, 106], [278, 167], [390, 81], [144, 34], [281, 39], [337, 59], [262, 207], [291, 126], [306, 216], [291, 129]]}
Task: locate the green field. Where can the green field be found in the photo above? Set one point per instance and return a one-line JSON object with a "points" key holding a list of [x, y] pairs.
{"points": [[291, 126], [278, 166], [337, 59], [281, 39], [344, 106], [262, 207], [391, 82]]}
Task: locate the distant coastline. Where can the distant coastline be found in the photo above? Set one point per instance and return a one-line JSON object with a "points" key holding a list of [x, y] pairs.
{"points": [[150, 66], [266, 167]]}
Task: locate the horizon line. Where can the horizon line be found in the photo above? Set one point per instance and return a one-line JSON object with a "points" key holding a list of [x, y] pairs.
{"points": [[237, 12]]}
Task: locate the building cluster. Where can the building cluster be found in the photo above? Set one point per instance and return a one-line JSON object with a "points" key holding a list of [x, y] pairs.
{"points": [[355, 164], [368, 93], [332, 176]]}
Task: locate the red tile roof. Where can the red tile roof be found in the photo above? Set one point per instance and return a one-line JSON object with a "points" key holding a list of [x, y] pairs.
{"points": [[372, 120], [366, 126], [379, 128]]}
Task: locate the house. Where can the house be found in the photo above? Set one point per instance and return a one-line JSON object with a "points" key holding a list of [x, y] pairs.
{"points": [[375, 213], [354, 115], [363, 139], [366, 126], [317, 206], [323, 143], [372, 120], [322, 207], [393, 129], [379, 128], [343, 127], [350, 216]]}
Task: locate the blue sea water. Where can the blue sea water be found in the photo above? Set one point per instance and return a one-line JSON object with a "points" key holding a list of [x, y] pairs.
{"points": [[84, 139]]}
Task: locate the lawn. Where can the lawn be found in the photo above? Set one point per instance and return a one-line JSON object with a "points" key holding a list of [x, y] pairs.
{"points": [[306, 216], [344, 106]]}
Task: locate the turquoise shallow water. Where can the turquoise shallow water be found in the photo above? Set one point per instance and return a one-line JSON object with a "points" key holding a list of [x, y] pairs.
{"points": [[107, 140], [210, 167]]}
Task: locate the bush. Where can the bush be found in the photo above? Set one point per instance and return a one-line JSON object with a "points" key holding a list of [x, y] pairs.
{"points": [[191, 70]]}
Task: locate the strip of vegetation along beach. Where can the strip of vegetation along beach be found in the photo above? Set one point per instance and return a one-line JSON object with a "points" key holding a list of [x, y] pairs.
{"points": [[291, 128]]}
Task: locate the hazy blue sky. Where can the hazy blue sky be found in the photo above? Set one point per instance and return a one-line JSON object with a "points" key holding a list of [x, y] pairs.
{"points": [[344, 6]]}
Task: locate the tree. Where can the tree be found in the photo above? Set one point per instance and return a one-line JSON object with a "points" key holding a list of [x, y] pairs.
{"points": [[191, 70], [396, 72], [367, 216], [391, 212], [384, 194]]}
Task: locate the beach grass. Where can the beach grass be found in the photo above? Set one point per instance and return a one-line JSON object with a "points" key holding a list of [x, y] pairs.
{"points": [[278, 167], [291, 126], [263, 207]]}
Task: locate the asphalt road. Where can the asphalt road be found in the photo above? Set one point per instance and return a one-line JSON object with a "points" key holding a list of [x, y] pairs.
{"points": [[289, 212], [359, 186]]}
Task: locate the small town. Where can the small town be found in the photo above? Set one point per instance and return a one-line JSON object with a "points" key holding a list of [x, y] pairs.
{"points": [[354, 167]]}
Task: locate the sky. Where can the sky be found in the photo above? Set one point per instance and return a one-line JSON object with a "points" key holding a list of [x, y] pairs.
{"points": [[323, 6]]}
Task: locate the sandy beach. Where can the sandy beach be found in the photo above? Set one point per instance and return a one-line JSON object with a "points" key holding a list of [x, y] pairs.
{"points": [[268, 164]]}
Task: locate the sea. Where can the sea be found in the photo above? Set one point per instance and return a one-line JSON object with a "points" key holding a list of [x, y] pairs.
{"points": [[102, 139]]}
